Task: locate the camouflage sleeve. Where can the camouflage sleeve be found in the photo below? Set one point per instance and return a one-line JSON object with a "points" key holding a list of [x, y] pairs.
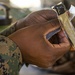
{"points": [[9, 30], [10, 57]]}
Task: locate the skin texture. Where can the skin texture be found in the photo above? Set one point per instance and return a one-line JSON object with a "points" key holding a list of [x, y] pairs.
{"points": [[35, 48], [36, 18]]}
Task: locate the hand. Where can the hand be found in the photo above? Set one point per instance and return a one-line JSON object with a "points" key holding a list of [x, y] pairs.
{"points": [[67, 67], [37, 17], [34, 46], [66, 64]]}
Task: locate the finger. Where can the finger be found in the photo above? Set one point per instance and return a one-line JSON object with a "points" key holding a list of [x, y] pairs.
{"points": [[41, 16], [47, 14], [62, 36], [63, 47], [50, 26], [64, 42], [36, 18], [64, 67], [63, 39]]}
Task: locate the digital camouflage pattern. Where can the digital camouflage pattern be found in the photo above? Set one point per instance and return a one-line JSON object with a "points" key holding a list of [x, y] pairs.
{"points": [[10, 55], [9, 30]]}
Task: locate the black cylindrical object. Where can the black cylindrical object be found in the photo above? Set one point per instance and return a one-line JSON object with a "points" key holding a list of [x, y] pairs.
{"points": [[60, 8]]}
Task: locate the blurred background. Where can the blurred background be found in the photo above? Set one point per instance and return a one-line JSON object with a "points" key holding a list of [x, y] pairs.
{"points": [[20, 8], [17, 9]]}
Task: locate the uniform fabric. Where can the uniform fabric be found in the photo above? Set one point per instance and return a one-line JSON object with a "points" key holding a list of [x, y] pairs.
{"points": [[10, 55]]}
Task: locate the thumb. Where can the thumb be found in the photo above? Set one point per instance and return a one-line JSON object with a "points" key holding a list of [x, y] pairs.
{"points": [[50, 26]]}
